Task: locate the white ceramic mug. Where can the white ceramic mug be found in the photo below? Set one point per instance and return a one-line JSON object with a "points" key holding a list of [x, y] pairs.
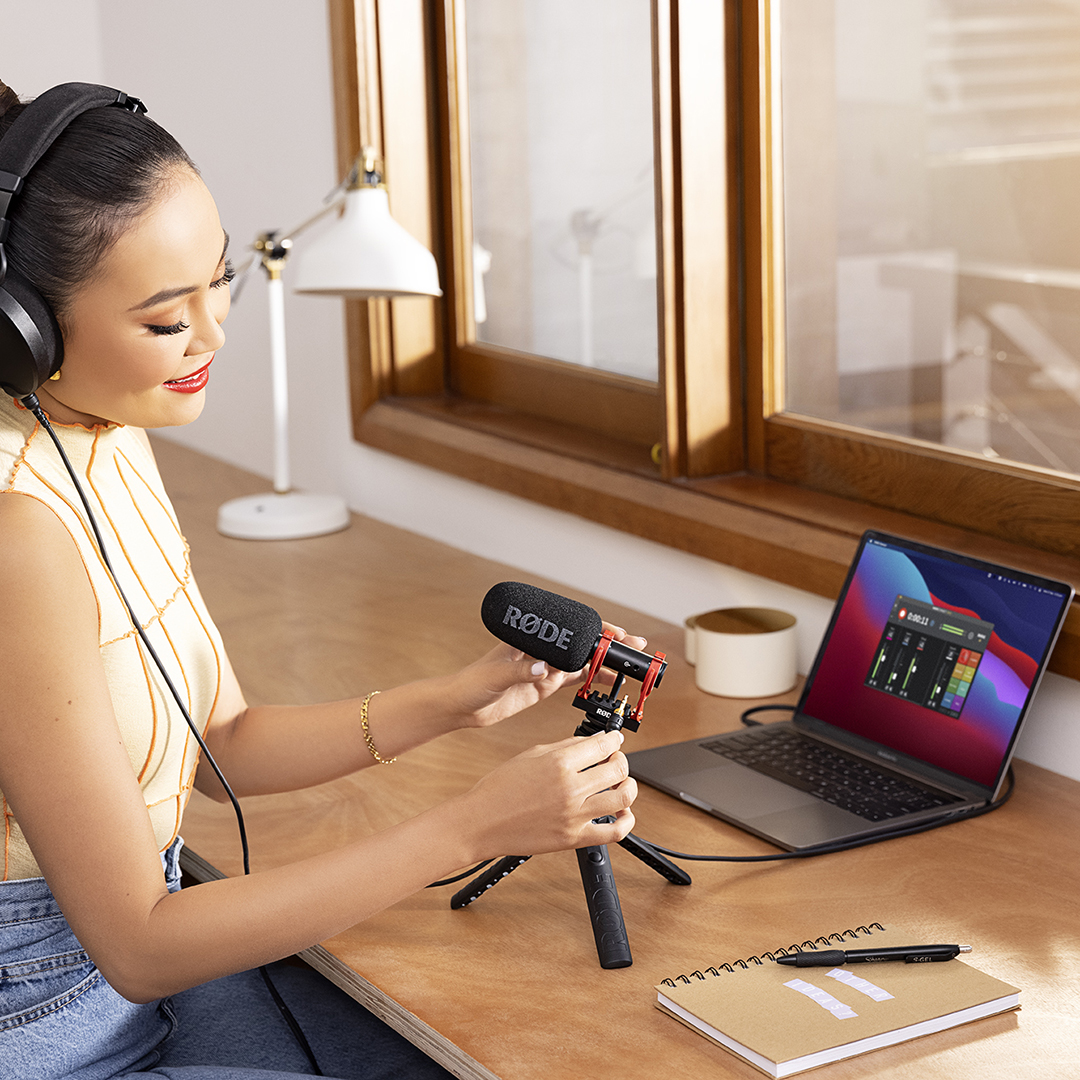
{"points": [[745, 652]]}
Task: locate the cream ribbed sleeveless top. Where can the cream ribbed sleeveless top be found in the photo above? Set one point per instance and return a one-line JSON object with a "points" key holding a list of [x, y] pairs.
{"points": [[150, 557]]}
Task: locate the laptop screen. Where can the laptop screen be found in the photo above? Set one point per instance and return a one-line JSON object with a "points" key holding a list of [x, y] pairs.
{"points": [[935, 655]]}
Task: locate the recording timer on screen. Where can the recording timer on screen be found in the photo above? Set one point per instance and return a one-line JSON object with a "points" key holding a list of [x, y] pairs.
{"points": [[928, 655]]}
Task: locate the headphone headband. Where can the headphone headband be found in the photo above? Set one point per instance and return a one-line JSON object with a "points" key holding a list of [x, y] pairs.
{"points": [[35, 129], [31, 345]]}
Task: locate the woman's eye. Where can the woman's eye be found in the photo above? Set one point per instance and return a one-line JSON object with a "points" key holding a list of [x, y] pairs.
{"points": [[226, 277], [176, 328]]}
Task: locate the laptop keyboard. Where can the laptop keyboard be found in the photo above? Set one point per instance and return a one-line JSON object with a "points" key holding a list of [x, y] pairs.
{"points": [[831, 775]]}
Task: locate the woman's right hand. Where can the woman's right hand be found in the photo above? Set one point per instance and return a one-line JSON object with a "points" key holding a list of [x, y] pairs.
{"points": [[546, 799]]}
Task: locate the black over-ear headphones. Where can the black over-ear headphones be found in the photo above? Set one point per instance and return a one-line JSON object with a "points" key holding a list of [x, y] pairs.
{"points": [[31, 346]]}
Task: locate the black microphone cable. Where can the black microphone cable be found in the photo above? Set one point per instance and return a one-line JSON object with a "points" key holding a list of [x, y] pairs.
{"points": [[849, 845], [31, 402]]}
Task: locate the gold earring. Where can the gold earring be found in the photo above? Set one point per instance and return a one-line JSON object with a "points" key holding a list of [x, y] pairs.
{"points": [[53, 378]]}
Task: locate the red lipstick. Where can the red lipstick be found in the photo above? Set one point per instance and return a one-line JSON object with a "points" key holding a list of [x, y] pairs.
{"points": [[193, 383]]}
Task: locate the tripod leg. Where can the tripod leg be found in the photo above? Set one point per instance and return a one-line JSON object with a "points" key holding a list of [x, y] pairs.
{"points": [[487, 880], [605, 911], [654, 860]]}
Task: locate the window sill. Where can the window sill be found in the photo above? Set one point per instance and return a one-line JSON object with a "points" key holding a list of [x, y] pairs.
{"points": [[778, 531]]}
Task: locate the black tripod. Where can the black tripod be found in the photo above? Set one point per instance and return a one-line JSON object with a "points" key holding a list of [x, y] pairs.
{"points": [[603, 712]]}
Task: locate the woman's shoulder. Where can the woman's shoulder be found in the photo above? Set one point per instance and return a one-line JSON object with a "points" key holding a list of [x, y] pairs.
{"points": [[32, 535], [43, 578]]}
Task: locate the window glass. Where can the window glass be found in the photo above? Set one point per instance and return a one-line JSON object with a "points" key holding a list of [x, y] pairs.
{"points": [[931, 170], [561, 162]]}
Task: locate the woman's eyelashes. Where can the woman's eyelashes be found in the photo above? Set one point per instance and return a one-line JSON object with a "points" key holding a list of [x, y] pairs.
{"points": [[226, 277], [175, 328], [179, 327]]}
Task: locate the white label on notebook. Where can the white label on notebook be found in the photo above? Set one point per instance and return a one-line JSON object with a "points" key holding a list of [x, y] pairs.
{"points": [[823, 998], [864, 987]]}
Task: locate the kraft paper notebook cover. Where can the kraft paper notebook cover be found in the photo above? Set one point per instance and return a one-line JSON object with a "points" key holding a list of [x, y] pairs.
{"points": [[830, 1013]]}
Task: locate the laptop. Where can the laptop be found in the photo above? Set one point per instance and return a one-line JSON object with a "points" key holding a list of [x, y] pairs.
{"points": [[911, 710]]}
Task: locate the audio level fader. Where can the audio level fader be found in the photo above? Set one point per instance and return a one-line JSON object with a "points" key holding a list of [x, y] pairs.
{"points": [[929, 655]]}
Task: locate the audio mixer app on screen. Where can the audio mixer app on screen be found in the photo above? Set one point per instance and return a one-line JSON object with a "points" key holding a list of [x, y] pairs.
{"points": [[928, 655]]}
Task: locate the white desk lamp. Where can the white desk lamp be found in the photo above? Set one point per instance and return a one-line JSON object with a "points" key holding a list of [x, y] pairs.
{"points": [[364, 254]]}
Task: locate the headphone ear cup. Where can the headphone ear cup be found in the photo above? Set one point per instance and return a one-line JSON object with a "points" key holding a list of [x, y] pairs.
{"points": [[31, 345]]}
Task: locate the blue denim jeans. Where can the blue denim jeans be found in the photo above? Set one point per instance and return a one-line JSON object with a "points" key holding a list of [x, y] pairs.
{"points": [[60, 1020]]}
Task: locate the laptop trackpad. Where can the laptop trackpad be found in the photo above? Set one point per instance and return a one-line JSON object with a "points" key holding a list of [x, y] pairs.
{"points": [[738, 791]]}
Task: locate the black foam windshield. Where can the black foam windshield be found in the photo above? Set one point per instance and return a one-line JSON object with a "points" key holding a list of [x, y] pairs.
{"points": [[561, 632]]}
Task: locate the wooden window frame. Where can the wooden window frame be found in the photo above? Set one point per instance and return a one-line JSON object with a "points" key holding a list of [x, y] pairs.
{"points": [[732, 478]]}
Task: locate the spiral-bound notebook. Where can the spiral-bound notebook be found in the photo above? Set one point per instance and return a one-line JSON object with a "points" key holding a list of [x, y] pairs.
{"points": [[785, 1020]]}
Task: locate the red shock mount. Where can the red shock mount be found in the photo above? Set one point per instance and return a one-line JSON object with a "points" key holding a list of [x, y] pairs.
{"points": [[611, 713]]}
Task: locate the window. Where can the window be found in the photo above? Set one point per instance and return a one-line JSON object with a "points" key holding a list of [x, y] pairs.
{"points": [[559, 104], [927, 155], [638, 407], [773, 431]]}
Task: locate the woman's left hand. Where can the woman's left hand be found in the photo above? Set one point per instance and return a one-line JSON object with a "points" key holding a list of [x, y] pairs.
{"points": [[505, 681]]}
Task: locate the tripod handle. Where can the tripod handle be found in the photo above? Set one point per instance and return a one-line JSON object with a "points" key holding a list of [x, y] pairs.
{"points": [[487, 880], [605, 911]]}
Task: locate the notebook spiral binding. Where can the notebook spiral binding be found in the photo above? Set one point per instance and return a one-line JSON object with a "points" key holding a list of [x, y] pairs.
{"points": [[826, 942]]}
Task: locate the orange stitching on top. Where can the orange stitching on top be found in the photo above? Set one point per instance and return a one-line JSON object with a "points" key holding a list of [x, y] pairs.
{"points": [[153, 713], [179, 664], [190, 773], [104, 425], [112, 524], [91, 543], [217, 657], [181, 578], [164, 799], [158, 616], [158, 612], [20, 459], [179, 815], [67, 501], [165, 509]]}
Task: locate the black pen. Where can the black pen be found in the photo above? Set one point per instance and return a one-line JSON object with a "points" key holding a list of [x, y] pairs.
{"points": [[909, 954]]}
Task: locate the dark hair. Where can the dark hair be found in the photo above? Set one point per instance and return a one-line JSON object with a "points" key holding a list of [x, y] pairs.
{"points": [[101, 173]]}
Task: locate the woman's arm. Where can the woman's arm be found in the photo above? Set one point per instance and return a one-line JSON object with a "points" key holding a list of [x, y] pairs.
{"points": [[67, 778], [266, 749], [272, 748]]}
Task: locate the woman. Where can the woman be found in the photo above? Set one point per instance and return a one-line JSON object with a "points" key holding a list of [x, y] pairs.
{"points": [[108, 960]]}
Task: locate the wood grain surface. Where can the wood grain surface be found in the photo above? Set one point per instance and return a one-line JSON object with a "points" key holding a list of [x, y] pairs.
{"points": [[510, 986]]}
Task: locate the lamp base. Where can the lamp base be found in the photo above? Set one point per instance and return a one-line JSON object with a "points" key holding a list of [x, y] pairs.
{"points": [[290, 516]]}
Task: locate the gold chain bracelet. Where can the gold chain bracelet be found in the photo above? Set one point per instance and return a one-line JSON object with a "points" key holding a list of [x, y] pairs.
{"points": [[367, 733]]}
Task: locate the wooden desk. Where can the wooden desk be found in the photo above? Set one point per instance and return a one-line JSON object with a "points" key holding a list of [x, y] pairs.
{"points": [[510, 987]]}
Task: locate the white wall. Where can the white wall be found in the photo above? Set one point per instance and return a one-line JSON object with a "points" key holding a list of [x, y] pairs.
{"points": [[246, 88]]}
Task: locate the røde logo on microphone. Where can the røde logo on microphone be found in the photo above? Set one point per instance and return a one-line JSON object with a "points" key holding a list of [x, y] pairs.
{"points": [[528, 623]]}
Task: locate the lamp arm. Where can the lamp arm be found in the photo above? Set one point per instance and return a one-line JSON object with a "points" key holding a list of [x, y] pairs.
{"points": [[366, 171], [334, 204]]}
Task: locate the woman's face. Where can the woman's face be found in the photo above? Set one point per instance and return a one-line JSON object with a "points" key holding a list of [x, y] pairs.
{"points": [[140, 335]]}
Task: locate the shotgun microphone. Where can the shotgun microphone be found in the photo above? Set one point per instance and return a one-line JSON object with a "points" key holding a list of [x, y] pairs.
{"points": [[570, 636], [561, 632]]}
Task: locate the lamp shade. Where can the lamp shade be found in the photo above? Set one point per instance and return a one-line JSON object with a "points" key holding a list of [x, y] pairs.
{"points": [[366, 253]]}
